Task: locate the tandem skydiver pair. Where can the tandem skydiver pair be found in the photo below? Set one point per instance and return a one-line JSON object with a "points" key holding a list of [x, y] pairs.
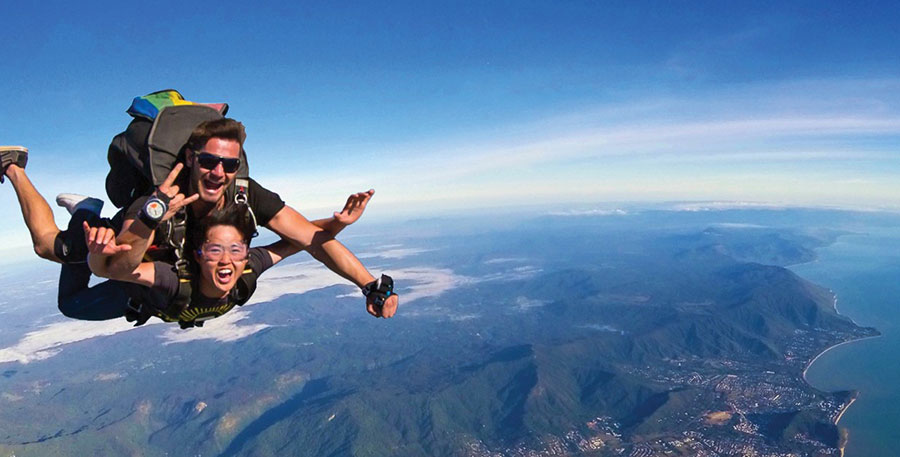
{"points": [[199, 261]]}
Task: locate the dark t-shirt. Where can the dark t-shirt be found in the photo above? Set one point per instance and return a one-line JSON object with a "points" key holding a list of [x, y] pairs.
{"points": [[165, 282], [264, 203]]}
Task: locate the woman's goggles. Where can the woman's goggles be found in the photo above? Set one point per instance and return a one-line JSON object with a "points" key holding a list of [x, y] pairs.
{"points": [[214, 252]]}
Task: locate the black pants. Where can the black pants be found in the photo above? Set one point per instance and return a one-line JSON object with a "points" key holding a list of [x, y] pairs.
{"points": [[107, 300]]}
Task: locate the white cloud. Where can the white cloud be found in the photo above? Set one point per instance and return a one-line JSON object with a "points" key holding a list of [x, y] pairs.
{"points": [[48, 341], [658, 147], [394, 253], [591, 212], [414, 283], [108, 376], [504, 260], [426, 282], [514, 274], [603, 328], [224, 329], [725, 205], [736, 225], [525, 303]]}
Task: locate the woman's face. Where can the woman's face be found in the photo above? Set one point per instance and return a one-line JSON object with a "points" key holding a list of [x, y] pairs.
{"points": [[222, 259]]}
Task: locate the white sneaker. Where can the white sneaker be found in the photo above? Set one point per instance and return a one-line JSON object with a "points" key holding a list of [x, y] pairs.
{"points": [[75, 202]]}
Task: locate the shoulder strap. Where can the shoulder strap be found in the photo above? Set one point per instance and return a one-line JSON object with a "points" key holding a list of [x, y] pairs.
{"points": [[239, 194], [178, 303], [245, 287]]}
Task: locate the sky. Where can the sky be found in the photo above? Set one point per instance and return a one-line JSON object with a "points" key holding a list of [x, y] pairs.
{"points": [[449, 106]]}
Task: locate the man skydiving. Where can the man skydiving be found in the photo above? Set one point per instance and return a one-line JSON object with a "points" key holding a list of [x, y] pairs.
{"points": [[212, 156]]}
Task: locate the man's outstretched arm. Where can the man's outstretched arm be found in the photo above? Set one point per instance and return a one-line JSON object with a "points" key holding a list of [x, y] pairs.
{"points": [[293, 227], [353, 209]]}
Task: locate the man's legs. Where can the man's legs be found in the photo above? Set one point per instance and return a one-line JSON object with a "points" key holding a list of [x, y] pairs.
{"points": [[36, 212], [106, 300]]}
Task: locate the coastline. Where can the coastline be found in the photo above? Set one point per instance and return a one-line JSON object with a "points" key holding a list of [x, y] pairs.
{"points": [[845, 408], [842, 447], [809, 364], [834, 306]]}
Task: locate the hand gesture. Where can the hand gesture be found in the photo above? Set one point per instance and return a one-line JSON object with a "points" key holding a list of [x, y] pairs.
{"points": [[169, 191], [354, 207], [102, 241], [387, 310]]}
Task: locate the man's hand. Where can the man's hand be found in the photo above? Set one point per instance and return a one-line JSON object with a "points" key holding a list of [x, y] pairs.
{"points": [[354, 207], [102, 241], [168, 190], [387, 310]]}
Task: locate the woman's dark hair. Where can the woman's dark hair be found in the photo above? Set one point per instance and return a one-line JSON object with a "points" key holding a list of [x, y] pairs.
{"points": [[237, 216]]}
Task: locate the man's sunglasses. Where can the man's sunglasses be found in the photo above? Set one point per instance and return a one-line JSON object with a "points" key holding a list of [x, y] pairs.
{"points": [[209, 161]]}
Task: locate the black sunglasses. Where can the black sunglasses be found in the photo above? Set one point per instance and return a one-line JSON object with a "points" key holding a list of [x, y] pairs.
{"points": [[209, 161]]}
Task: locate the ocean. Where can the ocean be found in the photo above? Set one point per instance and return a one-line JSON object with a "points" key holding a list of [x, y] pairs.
{"points": [[864, 272]]}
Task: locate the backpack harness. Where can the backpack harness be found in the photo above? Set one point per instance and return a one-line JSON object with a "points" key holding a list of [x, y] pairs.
{"points": [[169, 242]]}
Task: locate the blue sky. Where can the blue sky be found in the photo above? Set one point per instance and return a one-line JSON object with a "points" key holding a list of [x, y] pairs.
{"points": [[456, 105]]}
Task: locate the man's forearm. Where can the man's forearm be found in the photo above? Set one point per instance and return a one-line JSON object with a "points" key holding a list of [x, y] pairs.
{"points": [[330, 225], [97, 264], [339, 259], [136, 234], [294, 228]]}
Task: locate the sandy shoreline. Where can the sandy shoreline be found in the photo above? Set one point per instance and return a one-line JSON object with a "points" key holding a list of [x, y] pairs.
{"points": [[834, 306], [809, 364], [838, 419], [844, 409]]}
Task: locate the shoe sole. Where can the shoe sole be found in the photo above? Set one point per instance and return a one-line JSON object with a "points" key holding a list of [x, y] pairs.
{"points": [[4, 149]]}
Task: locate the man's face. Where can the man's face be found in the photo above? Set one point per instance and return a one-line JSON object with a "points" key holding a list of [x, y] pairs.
{"points": [[211, 183]]}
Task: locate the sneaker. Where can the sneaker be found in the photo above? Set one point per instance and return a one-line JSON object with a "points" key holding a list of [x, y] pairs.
{"points": [[75, 202], [12, 155]]}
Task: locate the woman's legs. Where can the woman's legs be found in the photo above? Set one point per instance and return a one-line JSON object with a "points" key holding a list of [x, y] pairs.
{"points": [[107, 300]]}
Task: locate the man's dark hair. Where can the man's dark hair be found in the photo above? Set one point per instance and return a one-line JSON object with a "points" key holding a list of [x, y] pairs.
{"points": [[225, 128], [237, 216]]}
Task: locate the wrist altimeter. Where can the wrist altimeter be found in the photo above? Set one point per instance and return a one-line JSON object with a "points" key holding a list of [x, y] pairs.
{"points": [[379, 290], [152, 212]]}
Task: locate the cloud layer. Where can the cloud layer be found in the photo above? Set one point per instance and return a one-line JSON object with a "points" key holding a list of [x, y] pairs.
{"points": [[298, 278]]}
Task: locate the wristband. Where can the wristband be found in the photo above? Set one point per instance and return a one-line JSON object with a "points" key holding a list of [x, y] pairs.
{"points": [[379, 290], [152, 212]]}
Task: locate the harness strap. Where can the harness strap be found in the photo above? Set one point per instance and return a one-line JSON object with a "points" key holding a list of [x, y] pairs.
{"points": [[242, 188], [183, 296], [188, 317]]}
